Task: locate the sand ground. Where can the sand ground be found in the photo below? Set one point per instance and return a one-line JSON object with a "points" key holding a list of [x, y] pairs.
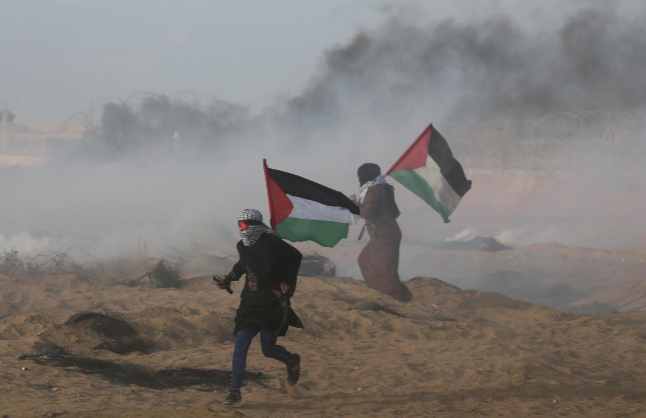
{"points": [[449, 353]]}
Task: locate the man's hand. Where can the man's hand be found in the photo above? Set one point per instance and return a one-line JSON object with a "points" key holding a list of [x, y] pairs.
{"points": [[219, 281], [222, 283], [284, 287]]}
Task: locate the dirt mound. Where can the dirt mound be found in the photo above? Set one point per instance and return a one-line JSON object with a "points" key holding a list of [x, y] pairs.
{"points": [[199, 283], [449, 352], [116, 334], [487, 244], [315, 265], [554, 275], [629, 296], [488, 300], [442, 293], [434, 291]]}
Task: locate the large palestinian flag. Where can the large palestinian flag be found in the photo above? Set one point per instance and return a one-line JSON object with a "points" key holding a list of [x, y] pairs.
{"points": [[302, 210], [429, 170]]}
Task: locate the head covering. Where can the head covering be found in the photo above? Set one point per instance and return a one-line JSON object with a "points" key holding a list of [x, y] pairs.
{"points": [[252, 233], [369, 175], [368, 172]]}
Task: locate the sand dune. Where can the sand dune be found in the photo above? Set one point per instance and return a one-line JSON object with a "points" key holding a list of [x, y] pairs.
{"points": [[450, 353], [627, 296], [555, 275]]}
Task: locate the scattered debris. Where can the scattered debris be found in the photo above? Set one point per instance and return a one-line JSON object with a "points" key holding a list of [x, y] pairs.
{"points": [[165, 274], [52, 414], [116, 333], [315, 265], [47, 263], [10, 264]]}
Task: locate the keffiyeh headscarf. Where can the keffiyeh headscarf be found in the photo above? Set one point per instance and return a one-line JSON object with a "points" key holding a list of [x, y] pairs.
{"points": [[255, 227], [369, 175]]}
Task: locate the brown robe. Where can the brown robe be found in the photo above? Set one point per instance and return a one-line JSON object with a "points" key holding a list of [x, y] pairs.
{"points": [[379, 260]]}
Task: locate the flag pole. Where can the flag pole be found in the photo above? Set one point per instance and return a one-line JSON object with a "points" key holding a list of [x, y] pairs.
{"points": [[271, 202], [419, 138]]}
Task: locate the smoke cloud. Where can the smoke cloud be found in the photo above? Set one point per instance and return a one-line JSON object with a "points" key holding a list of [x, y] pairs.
{"points": [[175, 172], [482, 70]]}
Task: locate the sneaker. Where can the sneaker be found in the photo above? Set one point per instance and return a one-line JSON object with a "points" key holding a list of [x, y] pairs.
{"points": [[294, 370], [234, 398]]}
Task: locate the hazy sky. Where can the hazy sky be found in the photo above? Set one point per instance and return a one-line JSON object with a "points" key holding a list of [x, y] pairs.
{"points": [[59, 53]]}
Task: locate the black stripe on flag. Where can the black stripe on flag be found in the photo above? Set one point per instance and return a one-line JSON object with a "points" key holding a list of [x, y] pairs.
{"points": [[298, 186], [450, 168]]}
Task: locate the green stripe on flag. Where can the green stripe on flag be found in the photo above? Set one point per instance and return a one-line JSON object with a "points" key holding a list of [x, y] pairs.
{"points": [[325, 233], [416, 184]]}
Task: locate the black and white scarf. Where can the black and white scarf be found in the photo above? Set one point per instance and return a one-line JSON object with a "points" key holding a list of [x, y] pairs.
{"points": [[380, 179], [252, 234]]}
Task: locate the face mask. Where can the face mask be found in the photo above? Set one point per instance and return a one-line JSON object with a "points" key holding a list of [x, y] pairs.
{"points": [[251, 234]]}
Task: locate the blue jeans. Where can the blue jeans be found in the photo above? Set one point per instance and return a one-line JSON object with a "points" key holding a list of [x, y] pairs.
{"points": [[269, 349]]}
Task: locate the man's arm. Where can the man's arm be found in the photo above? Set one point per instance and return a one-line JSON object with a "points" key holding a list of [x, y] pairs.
{"points": [[234, 275], [288, 261], [238, 268], [370, 203]]}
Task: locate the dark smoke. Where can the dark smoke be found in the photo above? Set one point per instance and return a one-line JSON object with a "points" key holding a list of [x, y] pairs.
{"points": [[485, 70], [164, 123], [409, 74]]}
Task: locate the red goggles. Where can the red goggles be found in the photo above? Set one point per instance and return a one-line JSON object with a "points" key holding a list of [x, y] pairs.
{"points": [[247, 224]]}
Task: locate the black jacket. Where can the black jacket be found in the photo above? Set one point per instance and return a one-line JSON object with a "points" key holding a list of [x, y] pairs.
{"points": [[266, 264]]}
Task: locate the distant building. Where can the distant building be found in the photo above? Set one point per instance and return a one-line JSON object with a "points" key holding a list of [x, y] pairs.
{"points": [[28, 145], [10, 117]]}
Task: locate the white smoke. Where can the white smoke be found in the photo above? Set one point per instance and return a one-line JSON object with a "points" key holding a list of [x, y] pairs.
{"points": [[464, 235], [511, 237]]}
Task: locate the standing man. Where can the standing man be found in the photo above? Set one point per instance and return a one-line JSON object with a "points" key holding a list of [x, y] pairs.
{"points": [[379, 260], [271, 268]]}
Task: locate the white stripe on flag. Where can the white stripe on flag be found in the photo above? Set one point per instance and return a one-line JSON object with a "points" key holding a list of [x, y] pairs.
{"points": [[315, 211], [443, 191]]}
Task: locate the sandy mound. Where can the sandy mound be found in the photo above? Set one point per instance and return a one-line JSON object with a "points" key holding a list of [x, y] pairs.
{"points": [[115, 334], [628, 296], [477, 243], [452, 352], [554, 275]]}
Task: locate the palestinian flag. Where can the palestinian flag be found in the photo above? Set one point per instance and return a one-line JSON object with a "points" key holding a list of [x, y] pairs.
{"points": [[302, 210], [429, 170]]}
